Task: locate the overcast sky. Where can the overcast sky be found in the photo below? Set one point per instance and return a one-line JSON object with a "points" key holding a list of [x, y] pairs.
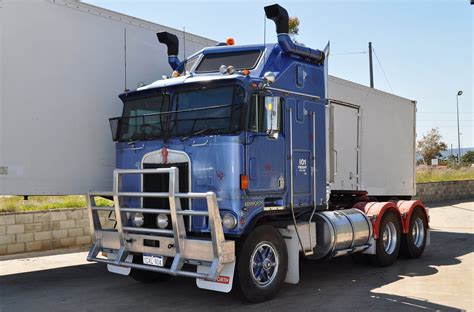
{"points": [[425, 48]]}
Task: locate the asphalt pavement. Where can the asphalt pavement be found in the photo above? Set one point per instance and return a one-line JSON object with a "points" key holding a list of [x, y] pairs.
{"points": [[442, 279]]}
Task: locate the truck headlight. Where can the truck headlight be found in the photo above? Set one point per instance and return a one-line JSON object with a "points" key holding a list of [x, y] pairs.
{"points": [[229, 221], [137, 219], [162, 221]]}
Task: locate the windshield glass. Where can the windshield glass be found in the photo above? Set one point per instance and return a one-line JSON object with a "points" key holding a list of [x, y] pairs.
{"points": [[141, 118], [216, 110], [211, 110]]}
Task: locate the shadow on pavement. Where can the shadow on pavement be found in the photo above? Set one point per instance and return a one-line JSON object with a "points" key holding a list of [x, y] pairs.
{"points": [[336, 285]]}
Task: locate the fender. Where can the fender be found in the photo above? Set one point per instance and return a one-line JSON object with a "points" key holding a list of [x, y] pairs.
{"points": [[375, 212], [406, 208]]}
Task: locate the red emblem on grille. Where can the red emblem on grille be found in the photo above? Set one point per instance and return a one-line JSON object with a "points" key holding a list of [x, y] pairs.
{"points": [[164, 154]]}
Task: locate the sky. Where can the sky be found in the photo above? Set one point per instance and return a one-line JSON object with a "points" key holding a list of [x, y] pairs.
{"points": [[424, 48]]}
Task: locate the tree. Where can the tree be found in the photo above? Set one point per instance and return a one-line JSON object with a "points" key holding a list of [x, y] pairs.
{"points": [[294, 28], [430, 146], [294, 24], [468, 158]]}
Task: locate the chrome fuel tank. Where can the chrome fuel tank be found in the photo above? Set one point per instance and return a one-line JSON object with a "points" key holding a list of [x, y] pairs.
{"points": [[340, 230]]}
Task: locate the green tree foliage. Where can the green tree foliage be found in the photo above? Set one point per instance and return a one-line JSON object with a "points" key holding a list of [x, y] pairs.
{"points": [[294, 30], [468, 158], [430, 146], [294, 23]]}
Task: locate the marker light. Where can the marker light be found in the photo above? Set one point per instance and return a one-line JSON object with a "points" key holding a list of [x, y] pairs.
{"points": [[244, 182], [246, 72], [230, 41]]}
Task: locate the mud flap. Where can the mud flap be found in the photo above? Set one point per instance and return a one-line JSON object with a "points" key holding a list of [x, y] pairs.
{"points": [[308, 239], [224, 281], [118, 269]]}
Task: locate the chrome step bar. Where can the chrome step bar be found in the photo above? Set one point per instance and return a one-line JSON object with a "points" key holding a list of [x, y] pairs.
{"points": [[127, 239]]}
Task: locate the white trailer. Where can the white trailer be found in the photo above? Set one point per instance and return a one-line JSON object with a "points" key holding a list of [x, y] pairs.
{"points": [[63, 64], [372, 146]]}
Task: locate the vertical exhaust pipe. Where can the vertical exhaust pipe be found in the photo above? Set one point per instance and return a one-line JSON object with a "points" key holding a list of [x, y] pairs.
{"points": [[172, 43], [279, 16]]}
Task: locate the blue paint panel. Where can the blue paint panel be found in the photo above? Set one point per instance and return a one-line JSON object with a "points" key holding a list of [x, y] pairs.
{"points": [[302, 172], [266, 163]]}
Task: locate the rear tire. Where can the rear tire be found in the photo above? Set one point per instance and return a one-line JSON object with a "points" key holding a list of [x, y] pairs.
{"points": [[262, 263], [387, 245], [414, 242], [144, 276]]}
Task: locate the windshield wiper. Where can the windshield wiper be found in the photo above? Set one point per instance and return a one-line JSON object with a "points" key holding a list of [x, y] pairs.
{"points": [[199, 132]]}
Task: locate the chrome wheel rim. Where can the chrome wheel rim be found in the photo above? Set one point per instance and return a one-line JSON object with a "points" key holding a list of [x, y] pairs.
{"points": [[418, 232], [264, 264], [389, 238]]}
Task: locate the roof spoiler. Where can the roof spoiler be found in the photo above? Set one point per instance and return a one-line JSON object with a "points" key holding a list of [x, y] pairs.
{"points": [[279, 16], [172, 43]]}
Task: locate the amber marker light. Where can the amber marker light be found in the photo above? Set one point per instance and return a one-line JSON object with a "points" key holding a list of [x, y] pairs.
{"points": [[244, 182], [246, 72], [230, 41]]}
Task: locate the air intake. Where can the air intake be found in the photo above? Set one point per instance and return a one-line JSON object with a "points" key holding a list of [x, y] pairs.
{"points": [[172, 43], [279, 16]]}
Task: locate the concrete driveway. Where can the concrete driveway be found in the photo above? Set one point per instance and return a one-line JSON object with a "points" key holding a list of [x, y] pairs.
{"points": [[440, 280]]}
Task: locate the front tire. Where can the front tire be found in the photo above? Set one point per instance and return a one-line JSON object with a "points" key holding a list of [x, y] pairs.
{"points": [[262, 263], [414, 242], [388, 243]]}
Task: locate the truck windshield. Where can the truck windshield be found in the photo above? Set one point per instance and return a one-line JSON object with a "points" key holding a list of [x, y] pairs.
{"points": [[210, 110], [216, 110]]}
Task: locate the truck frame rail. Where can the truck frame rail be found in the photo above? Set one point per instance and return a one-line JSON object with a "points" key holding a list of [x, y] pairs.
{"points": [[125, 240]]}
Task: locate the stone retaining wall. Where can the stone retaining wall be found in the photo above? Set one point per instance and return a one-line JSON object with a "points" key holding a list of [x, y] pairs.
{"points": [[22, 232], [439, 191]]}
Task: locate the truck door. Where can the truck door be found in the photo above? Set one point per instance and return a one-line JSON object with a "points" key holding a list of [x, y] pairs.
{"points": [[266, 151], [346, 146], [300, 149]]}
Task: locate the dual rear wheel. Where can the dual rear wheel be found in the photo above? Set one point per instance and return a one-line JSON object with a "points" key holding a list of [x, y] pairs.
{"points": [[392, 241]]}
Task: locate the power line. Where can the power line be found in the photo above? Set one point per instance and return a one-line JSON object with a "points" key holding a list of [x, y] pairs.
{"points": [[383, 71], [348, 53]]}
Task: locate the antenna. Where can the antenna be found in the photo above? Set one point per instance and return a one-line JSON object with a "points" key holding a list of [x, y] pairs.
{"points": [[125, 57], [184, 42]]}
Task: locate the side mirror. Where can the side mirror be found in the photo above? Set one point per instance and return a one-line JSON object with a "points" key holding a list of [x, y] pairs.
{"points": [[272, 116]]}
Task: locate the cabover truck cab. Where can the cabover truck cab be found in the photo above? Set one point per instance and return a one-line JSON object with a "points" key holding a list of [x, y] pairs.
{"points": [[225, 173]]}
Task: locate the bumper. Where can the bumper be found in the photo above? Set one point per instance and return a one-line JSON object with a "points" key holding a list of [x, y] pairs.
{"points": [[125, 240]]}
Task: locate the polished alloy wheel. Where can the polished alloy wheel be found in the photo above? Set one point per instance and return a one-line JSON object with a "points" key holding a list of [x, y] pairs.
{"points": [[264, 264], [389, 238], [418, 232]]}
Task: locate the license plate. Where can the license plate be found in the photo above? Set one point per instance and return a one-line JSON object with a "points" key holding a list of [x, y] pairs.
{"points": [[153, 260]]}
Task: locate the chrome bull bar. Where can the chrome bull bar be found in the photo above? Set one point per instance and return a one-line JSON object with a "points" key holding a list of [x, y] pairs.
{"points": [[124, 239]]}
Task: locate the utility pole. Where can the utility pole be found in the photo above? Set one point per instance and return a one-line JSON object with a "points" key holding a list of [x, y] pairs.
{"points": [[459, 133], [371, 67]]}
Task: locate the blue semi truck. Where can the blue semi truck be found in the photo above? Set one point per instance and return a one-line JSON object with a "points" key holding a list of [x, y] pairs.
{"points": [[222, 175]]}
